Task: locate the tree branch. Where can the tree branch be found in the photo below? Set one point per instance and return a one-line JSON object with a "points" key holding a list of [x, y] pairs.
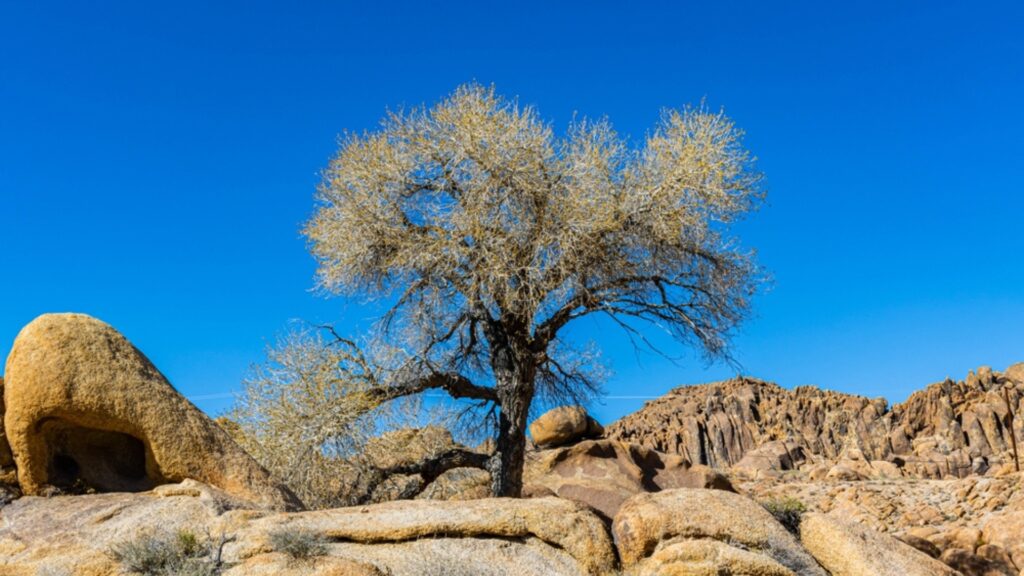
{"points": [[431, 468], [456, 385]]}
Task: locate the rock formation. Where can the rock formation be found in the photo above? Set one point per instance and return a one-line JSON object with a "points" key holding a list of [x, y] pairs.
{"points": [[849, 549], [547, 533], [948, 429], [85, 410], [681, 531], [605, 473], [712, 479], [733, 533], [564, 425], [537, 537]]}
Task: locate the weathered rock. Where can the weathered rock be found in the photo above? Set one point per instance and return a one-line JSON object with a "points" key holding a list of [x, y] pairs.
{"points": [[707, 557], [1015, 373], [459, 484], [774, 456], [457, 556], [85, 409], [920, 544], [1007, 531], [999, 558], [408, 446], [849, 549], [947, 429], [969, 564], [647, 523], [564, 425], [846, 472], [75, 534], [280, 564], [605, 473], [532, 536]]}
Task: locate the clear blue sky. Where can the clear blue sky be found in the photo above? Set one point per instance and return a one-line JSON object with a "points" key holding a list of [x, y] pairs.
{"points": [[157, 162]]}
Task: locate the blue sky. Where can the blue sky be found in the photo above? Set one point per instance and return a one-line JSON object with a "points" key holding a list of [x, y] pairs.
{"points": [[157, 162]]}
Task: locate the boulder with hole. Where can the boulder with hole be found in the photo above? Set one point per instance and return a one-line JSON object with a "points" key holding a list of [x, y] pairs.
{"points": [[87, 412]]}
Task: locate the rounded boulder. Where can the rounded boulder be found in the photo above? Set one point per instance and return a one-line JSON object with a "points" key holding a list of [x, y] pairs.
{"points": [[86, 410]]}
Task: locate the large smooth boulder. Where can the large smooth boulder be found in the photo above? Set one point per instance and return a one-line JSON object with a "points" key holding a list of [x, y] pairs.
{"points": [[493, 536], [564, 425], [846, 548], [605, 473], [1015, 373], [648, 524], [86, 410]]}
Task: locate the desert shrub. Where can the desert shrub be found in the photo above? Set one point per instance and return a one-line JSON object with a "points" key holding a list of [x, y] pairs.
{"points": [[313, 427], [298, 543], [787, 510], [180, 553]]}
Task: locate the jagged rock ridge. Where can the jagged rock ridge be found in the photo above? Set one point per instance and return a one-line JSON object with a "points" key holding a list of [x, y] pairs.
{"points": [[948, 429]]}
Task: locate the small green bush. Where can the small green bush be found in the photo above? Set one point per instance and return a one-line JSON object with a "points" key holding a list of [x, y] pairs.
{"points": [[298, 543], [180, 553], [787, 511]]}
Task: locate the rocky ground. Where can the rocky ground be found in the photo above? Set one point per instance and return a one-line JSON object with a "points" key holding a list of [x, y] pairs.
{"points": [[737, 477]]}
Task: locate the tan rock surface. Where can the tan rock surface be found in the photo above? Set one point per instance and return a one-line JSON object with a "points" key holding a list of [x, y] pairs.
{"points": [[74, 534], [707, 558], [564, 425], [84, 406], [605, 473], [549, 531], [849, 549], [948, 429], [648, 522], [280, 564]]}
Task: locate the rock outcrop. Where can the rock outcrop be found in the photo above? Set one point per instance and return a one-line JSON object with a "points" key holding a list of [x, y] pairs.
{"points": [[564, 425], [85, 410], [850, 549], [649, 528], [680, 531], [973, 524], [491, 536], [73, 535], [949, 429], [605, 473]]}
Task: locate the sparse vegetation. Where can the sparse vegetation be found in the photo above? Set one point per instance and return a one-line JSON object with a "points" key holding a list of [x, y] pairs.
{"points": [[298, 543], [787, 510], [180, 553]]}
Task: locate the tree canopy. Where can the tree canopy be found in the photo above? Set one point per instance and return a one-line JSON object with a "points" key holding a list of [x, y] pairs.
{"points": [[486, 234]]}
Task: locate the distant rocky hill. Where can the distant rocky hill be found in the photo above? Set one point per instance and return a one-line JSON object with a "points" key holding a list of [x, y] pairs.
{"points": [[947, 429]]}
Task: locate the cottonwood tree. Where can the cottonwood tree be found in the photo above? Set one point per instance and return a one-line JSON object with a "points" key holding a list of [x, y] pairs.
{"points": [[486, 234]]}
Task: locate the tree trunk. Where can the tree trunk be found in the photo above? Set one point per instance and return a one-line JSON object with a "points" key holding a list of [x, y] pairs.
{"points": [[514, 371], [506, 466]]}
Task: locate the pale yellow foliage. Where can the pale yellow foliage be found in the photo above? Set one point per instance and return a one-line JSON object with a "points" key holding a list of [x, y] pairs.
{"points": [[476, 200], [486, 233]]}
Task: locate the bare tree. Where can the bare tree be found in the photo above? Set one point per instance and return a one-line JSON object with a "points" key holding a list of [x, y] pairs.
{"points": [[486, 234]]}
